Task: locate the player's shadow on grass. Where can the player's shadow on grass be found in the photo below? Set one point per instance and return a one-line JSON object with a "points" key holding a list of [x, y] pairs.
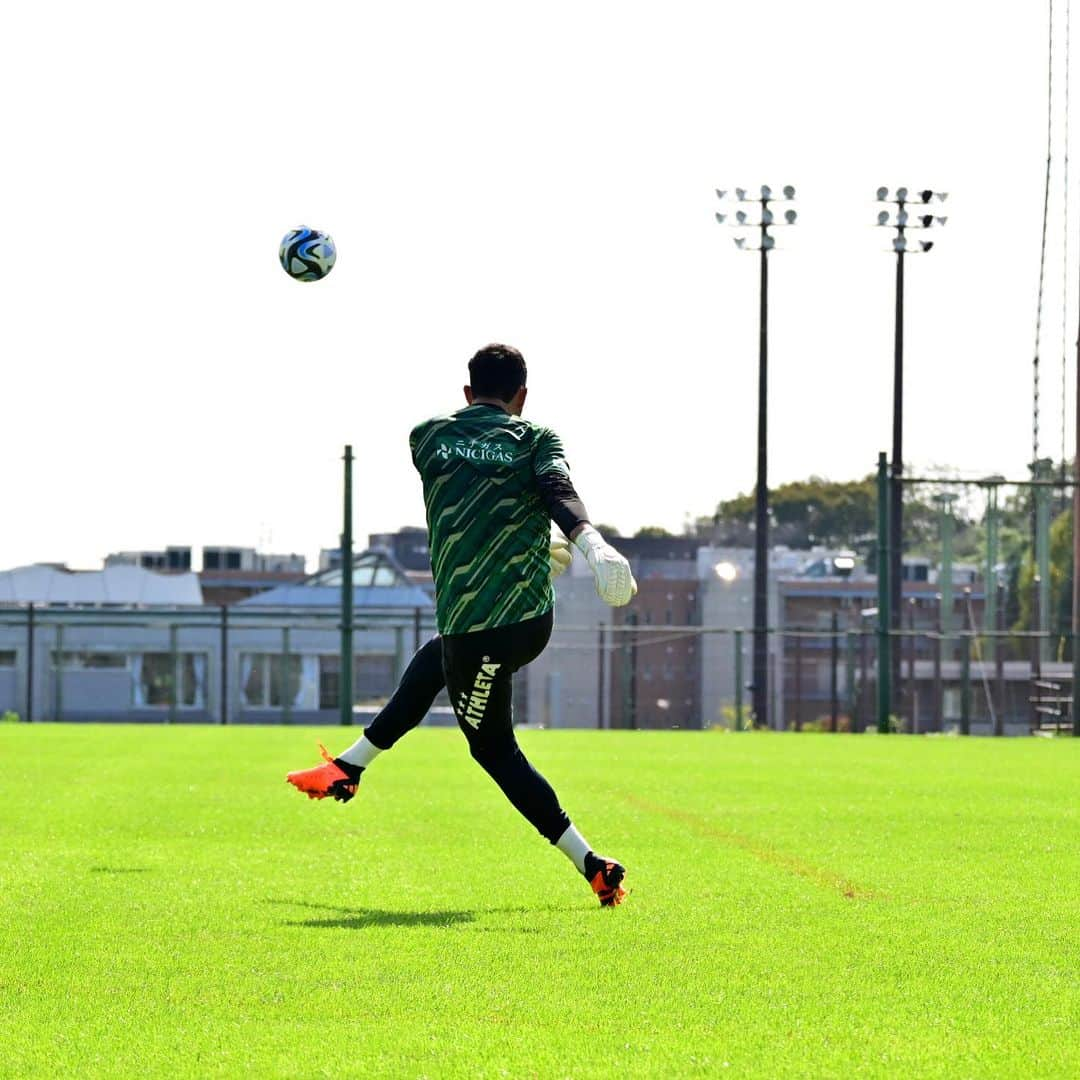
{"points": [[364, 918]]}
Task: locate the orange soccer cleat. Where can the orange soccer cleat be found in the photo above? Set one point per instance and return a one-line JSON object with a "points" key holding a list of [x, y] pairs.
{"points": [[339, 780], [605, 876]]}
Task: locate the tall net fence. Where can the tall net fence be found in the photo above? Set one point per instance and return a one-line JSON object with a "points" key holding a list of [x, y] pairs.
{"points": [[220, 667]]}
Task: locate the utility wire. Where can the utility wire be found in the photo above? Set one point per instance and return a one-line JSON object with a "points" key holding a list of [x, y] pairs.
{"points": [[1042, 248], [1065, 244]]}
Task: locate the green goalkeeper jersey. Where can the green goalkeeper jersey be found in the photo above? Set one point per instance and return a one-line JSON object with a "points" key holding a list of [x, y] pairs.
{"points": [[488, 528]]}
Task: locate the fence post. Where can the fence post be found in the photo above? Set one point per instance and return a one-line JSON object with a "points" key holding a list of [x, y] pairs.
{"points": [[58, 672], [834, 678], [738, 680], [30, 664], [1074, 645], [884, 618], [849, 679], [864, 681], [286, 665], [174, 668], [601, 668], [798, 679], [939, 690], [224, 664], [999, 660], [965, 685]]}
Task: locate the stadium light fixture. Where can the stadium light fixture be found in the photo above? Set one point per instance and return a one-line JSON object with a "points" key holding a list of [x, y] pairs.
{"points": [[725, 571], [901, 246]]}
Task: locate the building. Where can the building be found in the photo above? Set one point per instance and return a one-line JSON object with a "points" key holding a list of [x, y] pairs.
{"points": [[228, 574], [171, 560], [131, 644], [251, 561], [232, 574], [408, 547], [257, 646]]}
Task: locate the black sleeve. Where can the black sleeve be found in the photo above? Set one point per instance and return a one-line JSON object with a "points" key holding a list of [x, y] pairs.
{"points": [[563, 503]]}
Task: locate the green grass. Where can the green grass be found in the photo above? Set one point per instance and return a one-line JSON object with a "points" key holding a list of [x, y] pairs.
{"points": [[802, 906]]}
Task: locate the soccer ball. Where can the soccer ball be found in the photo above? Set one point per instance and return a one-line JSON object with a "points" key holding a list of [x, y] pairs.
{"points": [[307, 254]]}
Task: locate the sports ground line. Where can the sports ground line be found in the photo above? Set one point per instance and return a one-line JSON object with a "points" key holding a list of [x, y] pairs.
{"points": [[793, 864]]}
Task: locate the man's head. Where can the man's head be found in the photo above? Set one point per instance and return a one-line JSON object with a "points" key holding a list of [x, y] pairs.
{"points": [[497, 375]]}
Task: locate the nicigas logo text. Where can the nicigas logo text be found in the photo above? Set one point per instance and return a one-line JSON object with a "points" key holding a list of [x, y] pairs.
{"points": [[472, 451]]}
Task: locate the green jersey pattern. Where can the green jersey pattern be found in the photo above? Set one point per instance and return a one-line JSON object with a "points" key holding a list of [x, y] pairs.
{"points": [[488, 528]]}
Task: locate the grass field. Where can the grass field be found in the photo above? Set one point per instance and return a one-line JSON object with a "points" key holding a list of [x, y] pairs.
{"points": [[802, 906]]}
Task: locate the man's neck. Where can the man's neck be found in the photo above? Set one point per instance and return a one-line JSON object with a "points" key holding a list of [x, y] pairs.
{"points": [[491, 401]]}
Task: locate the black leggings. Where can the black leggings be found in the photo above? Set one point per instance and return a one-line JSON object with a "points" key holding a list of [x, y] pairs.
{"points": [[477, 670]]}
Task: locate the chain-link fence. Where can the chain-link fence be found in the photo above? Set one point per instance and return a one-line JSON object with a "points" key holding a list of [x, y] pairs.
{"points": [[233, 666]]}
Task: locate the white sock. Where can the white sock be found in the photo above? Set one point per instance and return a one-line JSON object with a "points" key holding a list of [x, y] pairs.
{"points": [[574, 846], [361, 754]]}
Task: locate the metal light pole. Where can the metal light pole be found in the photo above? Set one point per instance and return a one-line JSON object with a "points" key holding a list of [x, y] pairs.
{"points": [[766, 219], [901, 221], [345, 681], [1076, 553]]}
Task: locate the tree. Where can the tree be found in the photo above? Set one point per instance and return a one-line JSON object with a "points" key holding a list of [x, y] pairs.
{"points": [[1061, 571], [809, 512], [647, 531]]}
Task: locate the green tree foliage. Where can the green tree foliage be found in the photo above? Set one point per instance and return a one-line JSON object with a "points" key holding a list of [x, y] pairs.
{"points": [[809, 512], [1060, 578], [651, 531]]}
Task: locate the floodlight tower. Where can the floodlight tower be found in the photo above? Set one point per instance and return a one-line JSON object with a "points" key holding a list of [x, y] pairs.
{"points": [[902, 220], [765, 220]]}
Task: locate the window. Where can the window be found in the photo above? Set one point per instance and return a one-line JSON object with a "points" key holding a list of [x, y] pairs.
{"points": [[269, 680], [232, 560], [373, 679], [89, 661], [154, 678], [329, 681], [7, 658]]}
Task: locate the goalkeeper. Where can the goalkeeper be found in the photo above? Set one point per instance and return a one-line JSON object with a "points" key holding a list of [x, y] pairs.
{"points": [[492, 483]]}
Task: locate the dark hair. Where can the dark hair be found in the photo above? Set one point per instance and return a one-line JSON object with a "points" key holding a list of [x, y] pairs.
{"points": [[497, 371]]}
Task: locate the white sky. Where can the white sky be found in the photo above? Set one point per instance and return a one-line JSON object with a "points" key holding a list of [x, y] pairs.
{"points": [[537, 174]]}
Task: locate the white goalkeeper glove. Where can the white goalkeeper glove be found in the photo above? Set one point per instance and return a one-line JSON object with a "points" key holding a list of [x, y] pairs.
{"points": [[559, 554], [615, 584]]}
